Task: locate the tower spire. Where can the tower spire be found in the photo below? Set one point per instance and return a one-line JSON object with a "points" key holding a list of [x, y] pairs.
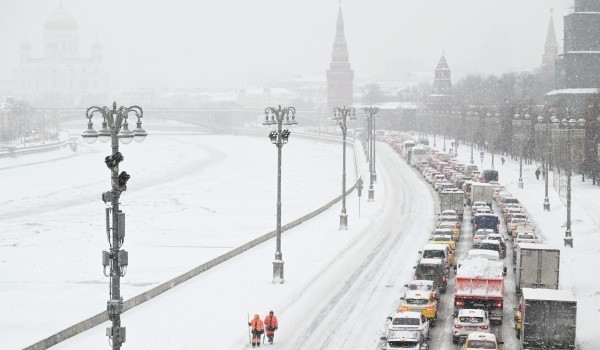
{"points": [[339, 75], [340, 48]]}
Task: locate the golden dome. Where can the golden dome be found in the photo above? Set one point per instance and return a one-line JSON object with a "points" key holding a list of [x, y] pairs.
{"points": [[61, 19]]}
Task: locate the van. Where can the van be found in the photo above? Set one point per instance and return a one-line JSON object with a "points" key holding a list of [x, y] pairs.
{"points": [[469, 169], [490, 221], [432, 251], [490, 175]]}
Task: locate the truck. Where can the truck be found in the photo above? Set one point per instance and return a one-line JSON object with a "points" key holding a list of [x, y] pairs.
{"points": [[490, 175], [453, 200], [482, 192], [479, 284], [536, 266], [418, 154], [546, 319]]}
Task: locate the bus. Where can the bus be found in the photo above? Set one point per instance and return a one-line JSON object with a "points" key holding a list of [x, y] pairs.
{"points": [[418, 154]]}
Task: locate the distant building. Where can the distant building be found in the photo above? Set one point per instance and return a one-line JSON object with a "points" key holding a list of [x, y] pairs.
{"points": [[578, 68], [61, 78], [339, 76], [547, 71], [441, 97]]}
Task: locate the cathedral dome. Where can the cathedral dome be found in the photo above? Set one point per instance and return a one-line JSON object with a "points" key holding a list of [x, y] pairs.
{"points": [[61, 19]]}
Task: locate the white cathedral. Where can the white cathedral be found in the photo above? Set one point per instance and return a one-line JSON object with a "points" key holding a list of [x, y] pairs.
{"points": [[61, 78]]}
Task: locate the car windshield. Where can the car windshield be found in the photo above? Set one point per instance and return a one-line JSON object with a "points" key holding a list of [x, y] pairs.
{"points": [[420, 287], [429, 270], [430, 254], [417, 301], [406, 321], [488, 246], [441, 239], [526, 237], [402, 344], [481, 344], [517, 220], [471, 319]]}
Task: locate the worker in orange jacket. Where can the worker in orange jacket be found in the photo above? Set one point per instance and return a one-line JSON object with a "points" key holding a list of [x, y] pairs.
{"points": [[258, 328], [271, 324]]}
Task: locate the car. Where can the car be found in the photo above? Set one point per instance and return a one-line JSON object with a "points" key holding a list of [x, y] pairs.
{"points": [[443, 239], [451, 225], [468, 321], [451, 218], [405, 340], [489, 244], [422, 285], [433, 270], [500, 238], [523, 229], [480, 235], [525, 238], [484, 210], [514, 222], [476, 205], [442, 231], [408, 321], [508, 212], [481, 340], [420, 301]]}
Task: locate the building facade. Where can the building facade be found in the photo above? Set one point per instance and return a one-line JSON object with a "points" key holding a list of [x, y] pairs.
{"points": [[340, 76], [577, 69], [61, 78]]}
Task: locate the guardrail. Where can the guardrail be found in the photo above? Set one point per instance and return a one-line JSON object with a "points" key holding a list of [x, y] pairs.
{"points": [[141, 298]]}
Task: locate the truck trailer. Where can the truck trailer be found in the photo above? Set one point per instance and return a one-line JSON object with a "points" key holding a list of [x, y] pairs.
{"points": [[482, 192], [536, 266], [546, 319], [453, 200]]}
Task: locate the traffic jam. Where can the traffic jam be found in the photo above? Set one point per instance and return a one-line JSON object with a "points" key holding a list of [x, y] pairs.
{"points": [[484, 280]]}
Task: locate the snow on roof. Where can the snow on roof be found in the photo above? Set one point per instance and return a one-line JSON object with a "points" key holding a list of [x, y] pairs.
{"points": [[573, 91], [417, 294], [548, 294], [536, 246], [479, 267], [389, 105], [433, 261]]}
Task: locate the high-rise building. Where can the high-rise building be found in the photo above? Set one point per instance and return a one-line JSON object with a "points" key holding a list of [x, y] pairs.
{"points": [[61, 78], [577, 69], [339, 76]]}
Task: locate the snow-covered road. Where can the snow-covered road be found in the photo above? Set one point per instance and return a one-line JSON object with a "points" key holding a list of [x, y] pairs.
{"points": [[340, 285]]}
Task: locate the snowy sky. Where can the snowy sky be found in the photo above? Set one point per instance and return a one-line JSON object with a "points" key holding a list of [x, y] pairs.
{"points": [[228, 43]]}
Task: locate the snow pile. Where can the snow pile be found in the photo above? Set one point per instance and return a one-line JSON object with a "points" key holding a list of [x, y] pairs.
{"points": [[479, 267]]}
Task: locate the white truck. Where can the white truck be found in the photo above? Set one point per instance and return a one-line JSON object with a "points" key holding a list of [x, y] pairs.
{"points": [[536, 266], [453, 200], [418, 154], [482, 192]]}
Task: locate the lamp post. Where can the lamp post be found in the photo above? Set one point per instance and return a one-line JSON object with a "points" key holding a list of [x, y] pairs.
{"points": [[444, 149], [341, 115], [277, 119], [115, 128], [521, 124], [545, 124], [371, 113], [472, 161], [569, 125]]}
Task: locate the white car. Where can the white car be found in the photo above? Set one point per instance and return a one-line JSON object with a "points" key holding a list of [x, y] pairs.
{"points": [[481, 234], [525, 238], [408, 321], [425, 285], [469, 321], [405, 340], [477, 205]]}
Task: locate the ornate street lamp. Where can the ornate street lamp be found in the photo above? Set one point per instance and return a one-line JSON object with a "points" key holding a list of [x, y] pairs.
{"points": [[543, 128], [569, 125], [371, 113], [522, 123], [115, 128], [341, 115], [277, 118]]}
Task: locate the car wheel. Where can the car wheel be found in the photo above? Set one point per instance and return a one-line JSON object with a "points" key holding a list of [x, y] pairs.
{"points": [[454, 340]]}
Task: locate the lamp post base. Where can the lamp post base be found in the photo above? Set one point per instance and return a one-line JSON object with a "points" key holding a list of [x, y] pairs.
{"points": [[343, 221], [371, 197], [374, 177], [520, 183], [472, 161], [569, 242], [546, 204], [278, 271]]}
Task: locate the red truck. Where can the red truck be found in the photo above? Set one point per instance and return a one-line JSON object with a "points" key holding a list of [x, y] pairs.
{"points": [[479, 284]]}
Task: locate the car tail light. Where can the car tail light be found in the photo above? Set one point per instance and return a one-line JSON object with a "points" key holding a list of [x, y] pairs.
{"points": [[457, 326], [484, 327], [458, 303], [499, 305], [429, 308], [404, 308], [444, 278]]}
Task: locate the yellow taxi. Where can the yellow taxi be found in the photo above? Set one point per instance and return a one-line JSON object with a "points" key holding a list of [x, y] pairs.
{"points": [[443, 239], [420, 301], [451, 225], [480, 340]]}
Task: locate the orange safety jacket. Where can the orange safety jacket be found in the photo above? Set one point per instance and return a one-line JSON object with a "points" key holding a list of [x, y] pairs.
{"points": [[271, 323], [257, 324]]}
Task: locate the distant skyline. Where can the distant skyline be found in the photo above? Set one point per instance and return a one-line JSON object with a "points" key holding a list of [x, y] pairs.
{"points": [[233, 43]]}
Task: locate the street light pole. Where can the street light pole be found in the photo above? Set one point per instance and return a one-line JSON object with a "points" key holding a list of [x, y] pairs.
{"points": [[278, 118], [341, 115], [115, 128], [371, 113], [546, 123], [374, 143], [570, 125]]}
